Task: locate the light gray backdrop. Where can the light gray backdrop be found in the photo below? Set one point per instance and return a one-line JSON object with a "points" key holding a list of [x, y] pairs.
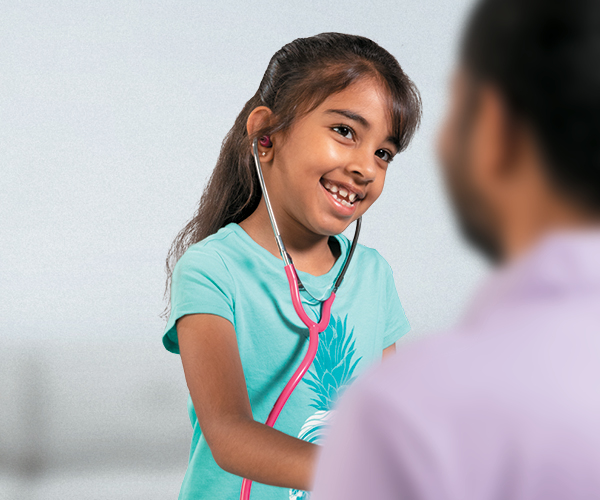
{"points": [[111, 119]]}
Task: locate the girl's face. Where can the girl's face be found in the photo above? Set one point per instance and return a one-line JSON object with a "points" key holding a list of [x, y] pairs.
{"points": [[330, 166]]}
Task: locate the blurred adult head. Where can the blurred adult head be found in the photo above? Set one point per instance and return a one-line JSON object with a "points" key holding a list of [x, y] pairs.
{"points": [[521, 142]]}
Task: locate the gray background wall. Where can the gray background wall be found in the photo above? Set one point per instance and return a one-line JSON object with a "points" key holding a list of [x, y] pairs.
{"points": [[111, 119]]}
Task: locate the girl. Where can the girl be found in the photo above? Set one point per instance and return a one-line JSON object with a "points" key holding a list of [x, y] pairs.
{"points": [[331, 112]]}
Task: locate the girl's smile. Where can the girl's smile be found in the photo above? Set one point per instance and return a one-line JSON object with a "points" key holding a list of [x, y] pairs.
{"points": [[343, 197]]}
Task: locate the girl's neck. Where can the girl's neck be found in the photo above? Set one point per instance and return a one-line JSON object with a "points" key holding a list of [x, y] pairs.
{"points": [[310, 252]]}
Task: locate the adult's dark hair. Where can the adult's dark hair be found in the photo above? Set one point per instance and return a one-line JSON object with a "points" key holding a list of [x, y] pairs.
{"points": [[544, 58], [299, 77]]}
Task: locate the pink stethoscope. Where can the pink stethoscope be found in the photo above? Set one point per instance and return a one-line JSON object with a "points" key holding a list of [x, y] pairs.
{"points": [[295, 286]]}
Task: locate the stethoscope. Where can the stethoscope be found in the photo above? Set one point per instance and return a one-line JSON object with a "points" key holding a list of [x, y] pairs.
{"points": [[295, 286]]}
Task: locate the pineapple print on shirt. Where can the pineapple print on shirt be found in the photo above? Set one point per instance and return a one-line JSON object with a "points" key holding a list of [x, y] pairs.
{"points": [[331, 372]]}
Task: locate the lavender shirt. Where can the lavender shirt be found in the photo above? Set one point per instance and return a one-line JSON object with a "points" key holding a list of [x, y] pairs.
{"points": [[505, 406]]}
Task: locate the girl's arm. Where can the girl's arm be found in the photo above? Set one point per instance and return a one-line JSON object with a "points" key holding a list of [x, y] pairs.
{"points": [[389, 351], [239, 444]]}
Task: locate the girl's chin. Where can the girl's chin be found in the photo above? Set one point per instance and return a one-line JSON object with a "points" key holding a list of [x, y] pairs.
{"points": [[332, 228]]}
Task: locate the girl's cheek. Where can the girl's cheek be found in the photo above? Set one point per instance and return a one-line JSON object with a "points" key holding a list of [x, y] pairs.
{"points": [[376, 193], [370, 199], [335, 152]]}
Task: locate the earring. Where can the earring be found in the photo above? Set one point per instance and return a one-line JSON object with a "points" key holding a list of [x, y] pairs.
{"points": [[265, 141]]}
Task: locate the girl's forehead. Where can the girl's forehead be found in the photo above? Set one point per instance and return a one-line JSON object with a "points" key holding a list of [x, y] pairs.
{"points": [[363, 93], [368, 99]]}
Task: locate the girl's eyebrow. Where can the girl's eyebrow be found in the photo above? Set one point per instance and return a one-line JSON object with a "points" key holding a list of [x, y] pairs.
{"points": [[351, 115], [362, 120]]}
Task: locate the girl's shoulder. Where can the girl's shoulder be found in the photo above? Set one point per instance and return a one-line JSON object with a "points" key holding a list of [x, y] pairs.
{"points": [[215, 243], [208, 253], [369, 258], [222, 238]]}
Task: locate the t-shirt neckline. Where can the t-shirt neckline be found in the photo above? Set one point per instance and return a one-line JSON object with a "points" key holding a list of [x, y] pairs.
{"points": [[318, 286]]}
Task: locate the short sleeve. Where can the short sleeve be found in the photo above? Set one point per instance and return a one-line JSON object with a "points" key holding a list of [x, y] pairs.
{"points": [[201, 284], [396, 322]]}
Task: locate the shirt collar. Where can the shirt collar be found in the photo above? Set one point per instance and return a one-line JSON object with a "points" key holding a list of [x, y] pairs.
{"points": [[562, 262]]}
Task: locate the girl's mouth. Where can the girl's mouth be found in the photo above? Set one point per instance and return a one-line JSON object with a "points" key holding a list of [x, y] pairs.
{"points": [[341, 195]]}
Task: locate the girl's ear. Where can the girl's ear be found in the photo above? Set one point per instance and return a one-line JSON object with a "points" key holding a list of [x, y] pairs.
{"points": [[258, 119]]}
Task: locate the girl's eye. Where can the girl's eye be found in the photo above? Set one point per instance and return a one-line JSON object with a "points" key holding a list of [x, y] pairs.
{"points": [[344, 131], [384, 155]]}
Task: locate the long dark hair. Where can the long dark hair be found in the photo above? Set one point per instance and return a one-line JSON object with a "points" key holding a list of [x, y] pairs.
{"points": [[300, 76]]}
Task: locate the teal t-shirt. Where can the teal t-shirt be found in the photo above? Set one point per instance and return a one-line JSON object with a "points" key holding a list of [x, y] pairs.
{"points": [[230, 275]]}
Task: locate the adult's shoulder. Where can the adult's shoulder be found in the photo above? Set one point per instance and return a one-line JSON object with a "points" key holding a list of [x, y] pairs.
{"points": [[421, 370], [446, 373]]}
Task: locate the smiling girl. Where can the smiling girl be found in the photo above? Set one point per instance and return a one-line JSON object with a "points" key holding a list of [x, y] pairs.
{"points": [[331, 112]]}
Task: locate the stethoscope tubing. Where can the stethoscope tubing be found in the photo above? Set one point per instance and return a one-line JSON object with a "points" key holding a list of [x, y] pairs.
{"points": [[314, 328], [313, 345]]}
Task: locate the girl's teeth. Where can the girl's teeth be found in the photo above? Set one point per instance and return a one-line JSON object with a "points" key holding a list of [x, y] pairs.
{"points": [[339, 194]]}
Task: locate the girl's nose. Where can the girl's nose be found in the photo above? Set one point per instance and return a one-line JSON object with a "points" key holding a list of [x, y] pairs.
{"points": [[363, 165]]}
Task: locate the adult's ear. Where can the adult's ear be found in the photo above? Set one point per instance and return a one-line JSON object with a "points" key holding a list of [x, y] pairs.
{"points": [[258, 119], [496, 143]]}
